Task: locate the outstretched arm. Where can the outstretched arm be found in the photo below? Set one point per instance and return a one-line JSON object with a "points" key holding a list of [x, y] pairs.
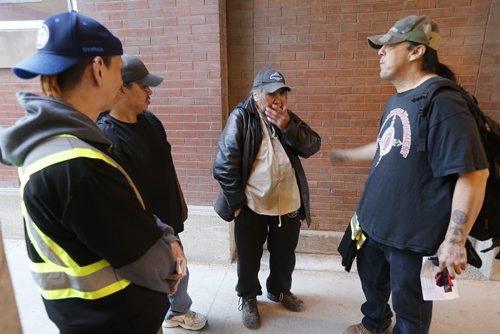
{"points": [[361, 153]]}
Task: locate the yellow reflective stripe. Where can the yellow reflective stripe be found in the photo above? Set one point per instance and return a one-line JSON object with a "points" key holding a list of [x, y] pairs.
{"points": [[55, 158], [48, 267], [355, 227], [63, 256], [75, 276], [359, 242], [356, 232], [65, 135], [30, 236], [73, 267], [72, 293]]}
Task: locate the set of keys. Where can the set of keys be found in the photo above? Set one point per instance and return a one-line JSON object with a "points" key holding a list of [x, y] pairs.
{"points": [[443, 278]]}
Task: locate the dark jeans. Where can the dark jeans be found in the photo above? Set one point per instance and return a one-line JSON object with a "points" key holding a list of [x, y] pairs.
{"points": [[251, 231], [382, 270]]}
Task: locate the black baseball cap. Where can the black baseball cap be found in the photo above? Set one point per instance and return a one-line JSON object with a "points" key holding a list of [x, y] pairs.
{"points": [[134, 70]]}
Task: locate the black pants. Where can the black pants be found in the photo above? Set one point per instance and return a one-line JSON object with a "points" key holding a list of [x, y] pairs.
{"points": [[251, 231]]}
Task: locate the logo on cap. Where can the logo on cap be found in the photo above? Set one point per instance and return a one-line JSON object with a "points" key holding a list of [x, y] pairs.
{"points": [[42, 36], [276, 76]]}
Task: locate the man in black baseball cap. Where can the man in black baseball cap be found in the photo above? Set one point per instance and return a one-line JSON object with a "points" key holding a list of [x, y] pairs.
{"points": [[102, 263], [134, 70], [264, 189]]}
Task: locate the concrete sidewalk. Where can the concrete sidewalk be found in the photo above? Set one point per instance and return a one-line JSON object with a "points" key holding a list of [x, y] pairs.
{"points": [[331, 295]]}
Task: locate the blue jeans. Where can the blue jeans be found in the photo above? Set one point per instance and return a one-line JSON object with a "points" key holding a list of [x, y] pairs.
{"points": [[180, 302], [384, 270]]}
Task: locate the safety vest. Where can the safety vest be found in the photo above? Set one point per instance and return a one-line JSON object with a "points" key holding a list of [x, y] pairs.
{"points": [[357, 234], [59, 276]]}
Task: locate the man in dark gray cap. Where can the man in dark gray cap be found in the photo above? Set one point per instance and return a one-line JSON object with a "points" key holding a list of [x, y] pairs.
{"points": [[140, 145], [264, 189], [420, 198]]}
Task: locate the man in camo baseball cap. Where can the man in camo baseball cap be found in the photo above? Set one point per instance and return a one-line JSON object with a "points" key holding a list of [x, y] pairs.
{"points": [[413, 28]]}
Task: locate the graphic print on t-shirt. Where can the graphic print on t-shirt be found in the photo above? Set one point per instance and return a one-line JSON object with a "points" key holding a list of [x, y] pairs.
{"points": [[396, 124]]}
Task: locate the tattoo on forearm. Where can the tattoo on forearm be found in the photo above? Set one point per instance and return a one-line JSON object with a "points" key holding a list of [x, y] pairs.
{"points": [[459, 217], [456, 231]]}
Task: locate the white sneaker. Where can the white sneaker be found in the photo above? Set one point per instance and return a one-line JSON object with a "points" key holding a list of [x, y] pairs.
{"points": [[190, 320]]}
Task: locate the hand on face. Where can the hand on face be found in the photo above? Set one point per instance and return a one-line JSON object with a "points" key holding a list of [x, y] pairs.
{"points": [[277, 114]]}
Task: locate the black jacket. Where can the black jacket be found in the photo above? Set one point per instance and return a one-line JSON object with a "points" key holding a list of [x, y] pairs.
{"points": [[238, 148], [87, 207]]}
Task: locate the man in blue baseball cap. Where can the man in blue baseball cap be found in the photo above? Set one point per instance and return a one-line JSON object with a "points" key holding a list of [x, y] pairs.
{"points": [[102, 263]]}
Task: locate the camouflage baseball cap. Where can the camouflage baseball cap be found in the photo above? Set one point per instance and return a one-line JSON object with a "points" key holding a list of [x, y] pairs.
{"points": [[419, 29]]}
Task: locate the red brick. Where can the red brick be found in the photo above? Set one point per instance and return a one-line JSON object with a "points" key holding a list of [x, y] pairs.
{"points": [[320, 46], [192, 19]]}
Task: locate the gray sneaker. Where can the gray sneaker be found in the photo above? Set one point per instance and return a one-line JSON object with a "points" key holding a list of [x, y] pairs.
{"points": [[190, 320], [249, 312], [361, 329]]}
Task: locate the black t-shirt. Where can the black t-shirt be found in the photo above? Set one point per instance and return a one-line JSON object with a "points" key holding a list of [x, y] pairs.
{"points": [[144, 152], [88, 208], [407, 198]]}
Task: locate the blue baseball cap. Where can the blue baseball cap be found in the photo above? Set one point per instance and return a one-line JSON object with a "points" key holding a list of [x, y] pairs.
{"points": [[63, 41]]}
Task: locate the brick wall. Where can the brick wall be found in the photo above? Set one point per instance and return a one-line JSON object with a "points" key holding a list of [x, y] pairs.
{"points": [[179, 40], [10, 111], [320, 46]]}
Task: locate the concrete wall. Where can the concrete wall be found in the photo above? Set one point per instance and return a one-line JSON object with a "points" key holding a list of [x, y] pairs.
{"points": [[321, 47], [209, 239], [21, 46], [206, 238]]}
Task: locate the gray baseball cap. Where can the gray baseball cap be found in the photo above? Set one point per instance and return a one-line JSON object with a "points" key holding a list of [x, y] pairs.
{"points": [[271, 80], [134, 70]]}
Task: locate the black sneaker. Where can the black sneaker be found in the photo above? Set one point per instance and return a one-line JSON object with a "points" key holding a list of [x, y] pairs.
{"points": [[249, 312], [288, 299]]}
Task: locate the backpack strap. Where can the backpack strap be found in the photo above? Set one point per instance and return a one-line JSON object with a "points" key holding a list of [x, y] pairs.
{"points": [[423, 123], [425, 100]]}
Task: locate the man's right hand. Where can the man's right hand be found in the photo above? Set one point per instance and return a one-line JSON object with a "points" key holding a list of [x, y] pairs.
{"points": [[361, 153], [178, 257], [338, 156]]}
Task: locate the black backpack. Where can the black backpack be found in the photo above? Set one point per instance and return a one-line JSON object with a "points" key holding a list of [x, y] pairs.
{"points": [[487, 225]]}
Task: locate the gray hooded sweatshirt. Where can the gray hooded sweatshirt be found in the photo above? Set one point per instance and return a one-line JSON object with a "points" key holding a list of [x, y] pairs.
{"points": [[47, 117]]}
